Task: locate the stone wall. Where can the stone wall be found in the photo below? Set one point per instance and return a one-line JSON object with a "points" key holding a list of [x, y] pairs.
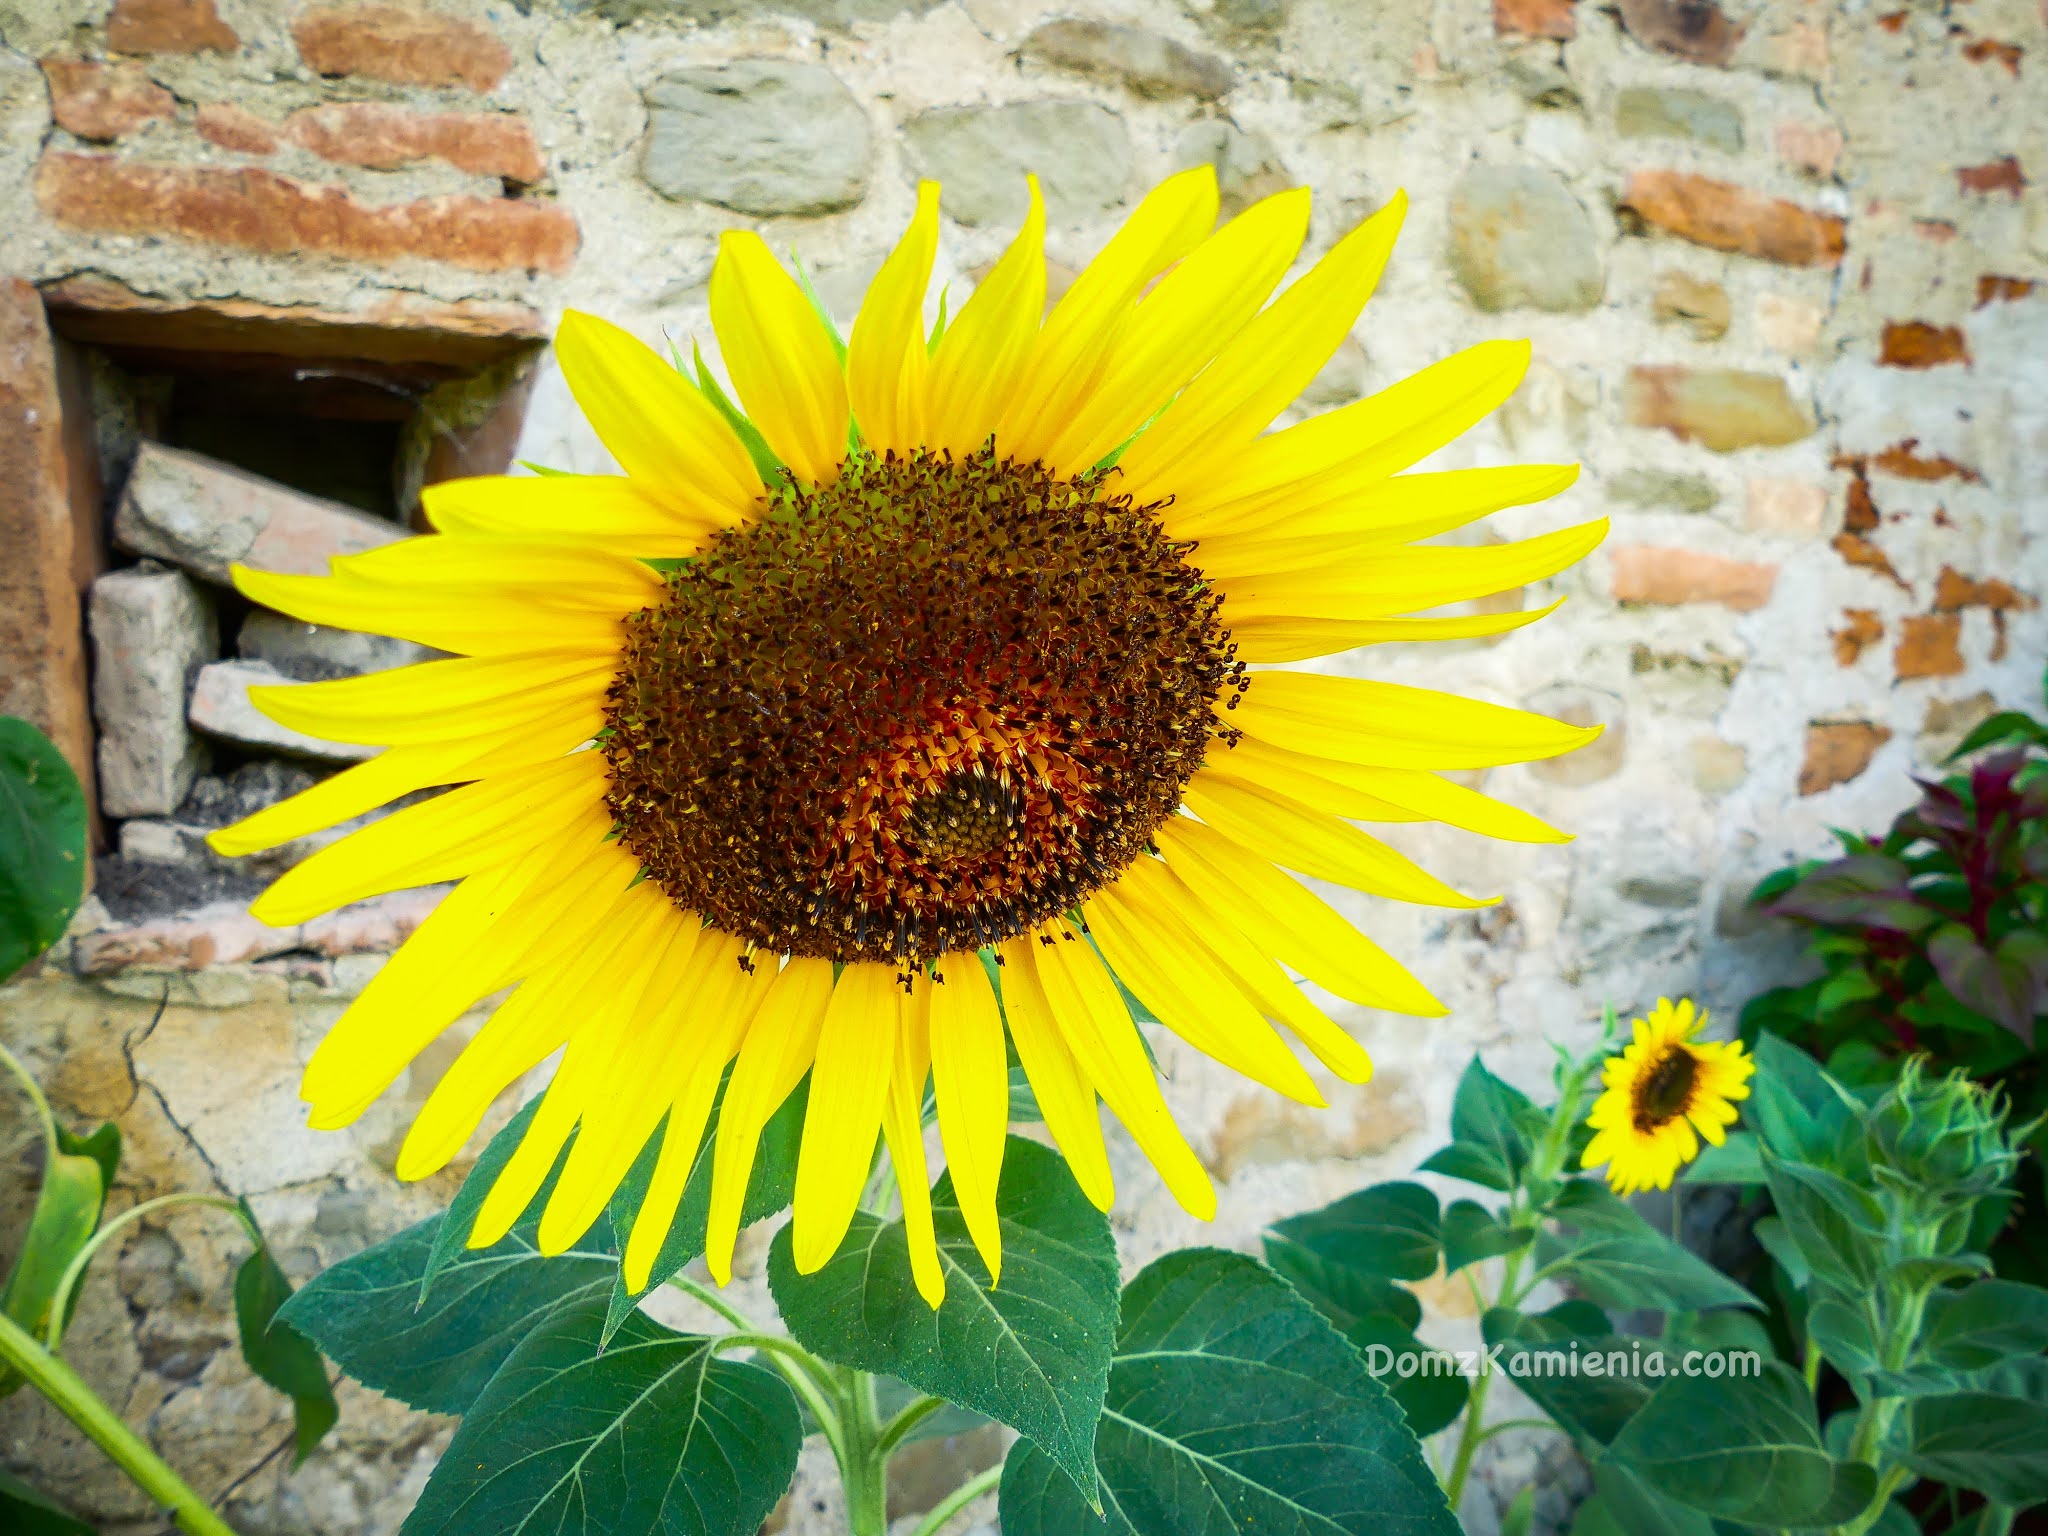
{"points": [[1779, 258]]}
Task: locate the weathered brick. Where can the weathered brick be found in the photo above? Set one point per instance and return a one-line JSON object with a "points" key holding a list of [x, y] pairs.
{"points": [[1929, 646], [152, 630], [1665, 577], [1788, 325], [2000, 175], [1838, 751], [1692, 29], [169, 26], [1810, 148], [1555, 19], [103, 101], [221, 707], [382, 136], [1996, 288], [1725, 217], [1721, 408], [261, 211], [1916, 344], [1789, 508], [1859, 552], [1861, 629], [1903, 460], [400, 44], [236, 128], [1954, 591], [1987, 50]]}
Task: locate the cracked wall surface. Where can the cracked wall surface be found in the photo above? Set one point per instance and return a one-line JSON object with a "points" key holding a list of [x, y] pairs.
{"points": [[1783, 272]]}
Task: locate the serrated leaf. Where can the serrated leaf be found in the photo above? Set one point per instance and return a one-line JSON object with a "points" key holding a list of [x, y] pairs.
{"points": [[1234, 1406], [1433, 1394], [1492, 1125], [1994, 1442], [26, 1512], [1985, 1323], [1339, 1292], [1625, 1505], [1838, 1229], [1542, 1356], [1390, 1230], [42, 844], [278, 1353], [1472, 1233], [460, 1218], [1619, 1260], [1033, 1352], [654, 1436]]}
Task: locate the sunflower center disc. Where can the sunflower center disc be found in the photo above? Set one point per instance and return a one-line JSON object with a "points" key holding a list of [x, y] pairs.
{"points": [[922, 709], [1666, 1089]]}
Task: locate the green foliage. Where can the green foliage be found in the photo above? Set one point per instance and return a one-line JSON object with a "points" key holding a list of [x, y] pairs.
{"points": [[77, 1173], [42, 844], [25, 1512], [276, 1351]]}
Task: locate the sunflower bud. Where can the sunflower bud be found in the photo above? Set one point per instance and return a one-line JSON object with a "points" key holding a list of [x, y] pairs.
{"points": [[1942, 1140]]}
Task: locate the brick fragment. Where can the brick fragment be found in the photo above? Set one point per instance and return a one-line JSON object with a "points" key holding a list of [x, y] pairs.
{"points": [[1995, 288], [236, 128], [1838, 751], [1861, 629], [1929, 646], [2001, 175], [1916, 344], [169, 26], [1690, 29], [1665, 577], [1986, 50], [1860, 552], [1702, 306], [151, 630], [258, 210], [103, 101], [382, 136], [1954, 591], [221, 707], [1725, 217], [1557, 20], [1789, 508], [400, 44], [1900, 459], [1721, 408], [1810, 148]]}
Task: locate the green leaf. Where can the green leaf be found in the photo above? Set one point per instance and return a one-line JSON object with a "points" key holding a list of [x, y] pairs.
{"points": [[1339, 1292], [42, 844], [1472, 1233], [1743, 1449], [1619, 1260], [1520, 1517], [1234, 1407], [459, 1219], [767, 463], [1984, 1323], [1386, 1229], [1793, 1104], [279, 1353], [654, 1436], [2008, 725], [67, 1213], [1625, 1505], [1492, 1125], [1735, 1161], [1547, 1362], [1995, 1442], [1033, 1352], [1470, 1162], [1433, 1393], [1724, 1328], [25, 1512], [1843, 1336], [1838, 1229]]}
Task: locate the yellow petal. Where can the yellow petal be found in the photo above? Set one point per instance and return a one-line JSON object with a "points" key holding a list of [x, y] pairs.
{"points": [[1068, 354], [778, 1050], [1181, 324], [1389, 725], [1265, 365], [977, 365], [903, 1126], [1271, 640], [886, 356], [849, 1086], [1427, 795], [971, 1079], [1259, 764], [1065, 1096], [608, 512], [1289, 921], [663, 432], [439, 700], [1286, 531], [472, 619], [1293, 834], [781, 359]]}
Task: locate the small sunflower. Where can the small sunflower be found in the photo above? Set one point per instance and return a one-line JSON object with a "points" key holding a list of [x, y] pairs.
{"points": [[1660, 1090], [879, 723]]}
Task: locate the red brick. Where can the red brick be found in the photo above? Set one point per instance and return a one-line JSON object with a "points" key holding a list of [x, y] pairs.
{"points": [[1981, 50], [1993, 288], [237, 128], [1860, 552], [379, 135], [1928, 646], [169, 26], [1647, 574], [1916, 344], [1893, 22], [1726, 217], [1954, 591], [1861, 629], [1555, 19], [1691, 29], [1901, 460], [400, 44], [2002, 175], [1838, 751], [260, 211], [104, 101]]}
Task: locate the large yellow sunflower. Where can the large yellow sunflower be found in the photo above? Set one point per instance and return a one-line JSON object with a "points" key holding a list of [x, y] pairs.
{"points": [[1663, 1093], [768, 744]]}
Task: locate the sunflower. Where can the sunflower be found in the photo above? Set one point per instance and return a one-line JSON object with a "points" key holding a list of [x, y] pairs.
{"points": [[878, 724], [1660, 1090]]}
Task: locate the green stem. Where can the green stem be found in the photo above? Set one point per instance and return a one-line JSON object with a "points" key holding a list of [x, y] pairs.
{"points": [[1812, 1365], [75, 1400], [1472, 1434], [714, 1301], [864, 1466], [74, 1272], [35, 1097], [898, 1429], [1502, 1426], [958, 1500], [808, 1377], [1886, 1486], [1996, 1520]]}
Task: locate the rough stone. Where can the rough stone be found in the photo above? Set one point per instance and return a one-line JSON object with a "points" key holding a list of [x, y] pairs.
{"points": [[169, 26], [1812, 149], [1647, 574], [1666, 892], [1081, 153], [1557, 20], [1792, 509], [1253, 16], [1687, 683], [1248, 167], [400, 44], [2000, 175], [1720, 408], [1788, 325], [1662, 489], [1861, 629], [1916, 344], [259, 210], [236, 128], [1146, 62], [152, 629], [1948, 721], [1576, 705], [382, 136], [1725, 217], [1718, 767], [221, 707], [1838, 751], [1953, 591], [203, 515], [1680, 298], [103, 101], [1518, 238], [228, 935], [1691, 29], [1929, 646], [1652, 112], [760, 136], [312, 652]]}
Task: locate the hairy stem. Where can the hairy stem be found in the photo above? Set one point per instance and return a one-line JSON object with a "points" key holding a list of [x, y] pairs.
{"points": [[957, 1500], [74, 1272]]}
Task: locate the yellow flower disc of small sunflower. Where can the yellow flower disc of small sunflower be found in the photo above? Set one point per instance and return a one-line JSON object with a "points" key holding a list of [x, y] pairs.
{"points": [[755, 759], [1661, 1095]]}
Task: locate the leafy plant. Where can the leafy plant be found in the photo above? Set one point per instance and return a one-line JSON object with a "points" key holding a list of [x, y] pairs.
{"points": [[42, 880]]}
